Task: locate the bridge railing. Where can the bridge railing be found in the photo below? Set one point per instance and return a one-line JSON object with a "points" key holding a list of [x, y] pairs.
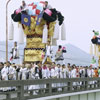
{"points": [[29, 89]]}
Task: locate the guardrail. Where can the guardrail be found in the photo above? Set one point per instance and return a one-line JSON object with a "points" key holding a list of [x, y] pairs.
{"points": [[29, 89]]}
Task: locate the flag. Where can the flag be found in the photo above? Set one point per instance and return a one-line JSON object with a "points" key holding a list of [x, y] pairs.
{"points": [[25, 19], [39, 18]]}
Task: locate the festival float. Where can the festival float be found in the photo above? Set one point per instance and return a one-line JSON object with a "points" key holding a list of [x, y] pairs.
{"points": [[96, 43], [40, 23]]}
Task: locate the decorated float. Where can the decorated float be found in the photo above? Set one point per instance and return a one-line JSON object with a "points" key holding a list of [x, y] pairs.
{"points": [[40, 23], [96, 43]]}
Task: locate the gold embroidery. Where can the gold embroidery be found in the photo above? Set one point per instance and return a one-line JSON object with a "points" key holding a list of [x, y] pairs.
{"points": [[26, 20]]}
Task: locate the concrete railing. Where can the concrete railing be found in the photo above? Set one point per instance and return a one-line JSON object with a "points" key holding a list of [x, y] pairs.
{"points": [[29, 89]]}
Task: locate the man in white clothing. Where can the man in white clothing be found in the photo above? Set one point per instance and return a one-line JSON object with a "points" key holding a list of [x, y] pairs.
{"points": [[48, 52], [14, 52], [7, 74], [91, 74], [64, 71], [47, 6], [4, 73], [73, 73], [56, 72], [23, 72], [48, 71], [44, 72]]}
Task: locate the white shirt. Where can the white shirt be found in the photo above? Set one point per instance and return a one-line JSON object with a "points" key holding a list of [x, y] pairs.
{"points": [[4, 73], [64, 71], [56, 72], [52, 72], [61, 74], [73, 73], [69, 74], [23, 71], [91, 72], [48, 73], [33, 73], [44, 73]]}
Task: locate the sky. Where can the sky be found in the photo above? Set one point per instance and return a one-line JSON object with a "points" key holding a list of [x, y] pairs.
{"points": [[81, 17]]}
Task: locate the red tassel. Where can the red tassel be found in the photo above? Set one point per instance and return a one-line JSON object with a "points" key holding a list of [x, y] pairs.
{"points": [[11, 58]]}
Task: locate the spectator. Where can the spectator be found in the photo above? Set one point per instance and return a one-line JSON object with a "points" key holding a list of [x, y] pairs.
{"points": [[95, 72], [99, 71]]}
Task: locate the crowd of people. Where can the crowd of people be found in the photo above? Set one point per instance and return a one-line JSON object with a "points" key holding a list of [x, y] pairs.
{"points": [[38, 70]]}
